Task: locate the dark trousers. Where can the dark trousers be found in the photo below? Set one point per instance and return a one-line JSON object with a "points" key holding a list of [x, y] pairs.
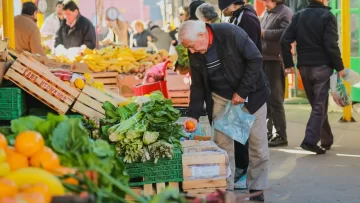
{"points": [[276, 113], [316, 82], [241, 155]]}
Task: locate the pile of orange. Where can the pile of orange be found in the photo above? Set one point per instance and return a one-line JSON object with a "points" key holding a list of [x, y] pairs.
{"points": [[35, 193], [29, 150]]}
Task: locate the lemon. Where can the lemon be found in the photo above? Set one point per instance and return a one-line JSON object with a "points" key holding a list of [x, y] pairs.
{"points": [[79, 83], [4, 169], [2, 156], [87, 76]]}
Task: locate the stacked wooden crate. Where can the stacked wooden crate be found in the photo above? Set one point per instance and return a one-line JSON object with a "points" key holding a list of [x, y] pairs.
{"points": [[36, 79], [109, 79], [91, 100], [179, 92], [204, 167]]}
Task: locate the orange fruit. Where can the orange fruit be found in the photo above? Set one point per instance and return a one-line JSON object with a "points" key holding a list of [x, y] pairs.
{"points": [[29, 143], [37, 188], [46, 159], [9, 149], [8, 188], [190, 125], [3, 142], [16, 160], [79, 83], [34, 197]]}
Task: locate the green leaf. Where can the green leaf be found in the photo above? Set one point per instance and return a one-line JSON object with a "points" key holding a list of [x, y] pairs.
{"points": [[25, 123]]}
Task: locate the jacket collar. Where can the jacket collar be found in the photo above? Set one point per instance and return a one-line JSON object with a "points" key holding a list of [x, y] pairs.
{"points": [[276, 9], [73, 25], [30, 17], [318, 5]]}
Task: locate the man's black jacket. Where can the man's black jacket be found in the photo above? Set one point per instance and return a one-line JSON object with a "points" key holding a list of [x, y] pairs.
{"points": [[315, 31], [242, 64], [82, 34]]}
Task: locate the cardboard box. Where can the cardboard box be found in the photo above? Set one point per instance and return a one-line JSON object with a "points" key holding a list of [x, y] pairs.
{"points": [[75, 67]]}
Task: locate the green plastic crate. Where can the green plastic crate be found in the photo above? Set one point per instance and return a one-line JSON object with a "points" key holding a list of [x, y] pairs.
{"points": [[165, 170], [12, 103], [355, 93]]}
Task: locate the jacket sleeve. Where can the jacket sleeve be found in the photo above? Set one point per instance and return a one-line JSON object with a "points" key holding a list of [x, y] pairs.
{"points": [[90, 37], [250, 27], [253, 63], [35, 43], [46, 28], [275, 34], [331, 38], [197, 94], [288, 37], [58, 37]]}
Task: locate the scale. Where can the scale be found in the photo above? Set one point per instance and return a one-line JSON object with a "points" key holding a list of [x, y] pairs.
{"points": [[42, 6], [112, 13]]}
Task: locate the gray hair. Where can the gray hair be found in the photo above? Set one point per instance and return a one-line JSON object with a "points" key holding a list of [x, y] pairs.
{"points": [[190, 29], [206, 12]]}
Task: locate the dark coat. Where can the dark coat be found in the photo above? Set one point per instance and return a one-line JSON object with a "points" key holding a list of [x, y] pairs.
{"points": [[315, 31], [249, 23], [83, 33], [274, 23], [242, 64]]}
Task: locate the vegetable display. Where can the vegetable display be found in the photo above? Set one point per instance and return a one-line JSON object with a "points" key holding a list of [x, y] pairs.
{"points": [[143, 133]]}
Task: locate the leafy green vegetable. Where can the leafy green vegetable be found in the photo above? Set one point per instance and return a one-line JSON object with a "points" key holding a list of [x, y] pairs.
{"points": [[183, 56], [150, 137], [25, 123]]}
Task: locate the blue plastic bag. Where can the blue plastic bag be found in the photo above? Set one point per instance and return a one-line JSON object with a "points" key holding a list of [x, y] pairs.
{"points": [[235, 123]]}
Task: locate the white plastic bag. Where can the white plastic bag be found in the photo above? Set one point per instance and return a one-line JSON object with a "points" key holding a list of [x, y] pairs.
{"points": [[338, 89], [235, 123]]}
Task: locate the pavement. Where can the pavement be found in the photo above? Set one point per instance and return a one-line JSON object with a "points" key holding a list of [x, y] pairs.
{"points": [[297, 176]]}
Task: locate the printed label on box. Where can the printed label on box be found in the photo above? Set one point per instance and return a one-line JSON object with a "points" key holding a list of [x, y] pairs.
{"points": [[206, 171]]}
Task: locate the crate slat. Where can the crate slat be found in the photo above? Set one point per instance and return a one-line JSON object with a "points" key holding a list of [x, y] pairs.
{"points": [[204, 183], [151, 189], [37, 92], [91, 100]]}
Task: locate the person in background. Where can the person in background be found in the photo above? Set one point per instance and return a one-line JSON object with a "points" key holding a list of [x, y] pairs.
{"points": [[118, 32], [52, 24], [244, 16], [274, 21], [192, 9], [314, 29], [184, 14], [161, 39], [140, 37], [207, 13], [27, 34], [218, 81], [75, 30]]}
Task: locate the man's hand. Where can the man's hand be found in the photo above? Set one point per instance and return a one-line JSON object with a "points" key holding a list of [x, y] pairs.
{"points": [[342, 73], [290, 70], [190, 125], [237, 99]]}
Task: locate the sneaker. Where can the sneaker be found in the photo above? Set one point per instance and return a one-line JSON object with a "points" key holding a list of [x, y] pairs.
{"points": [[241, 183], [258, 198], [312, 148], [270, 136], [278, 142], [238, 174], [326, 147]]}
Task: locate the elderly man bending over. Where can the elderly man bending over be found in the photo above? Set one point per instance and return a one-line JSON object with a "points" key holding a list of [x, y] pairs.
{"points": [[227, 66]]}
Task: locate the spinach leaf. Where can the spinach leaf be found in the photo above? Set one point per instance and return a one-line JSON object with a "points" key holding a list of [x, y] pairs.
{"points": [[25, 123]]}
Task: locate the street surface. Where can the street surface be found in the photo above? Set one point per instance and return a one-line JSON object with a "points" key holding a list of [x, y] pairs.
{"points": [[297, 176]]}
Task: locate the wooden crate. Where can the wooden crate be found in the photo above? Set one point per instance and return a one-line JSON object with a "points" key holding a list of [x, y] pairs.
{"points": [[175, 82], [76, 67], [180, 98], [204, 167], [36, 79], [109, 79], [90, 102], [126, 84], [151, 189]]}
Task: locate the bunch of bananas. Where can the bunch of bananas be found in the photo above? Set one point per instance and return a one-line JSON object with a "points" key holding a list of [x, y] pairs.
{"points": [[120, 59]]}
